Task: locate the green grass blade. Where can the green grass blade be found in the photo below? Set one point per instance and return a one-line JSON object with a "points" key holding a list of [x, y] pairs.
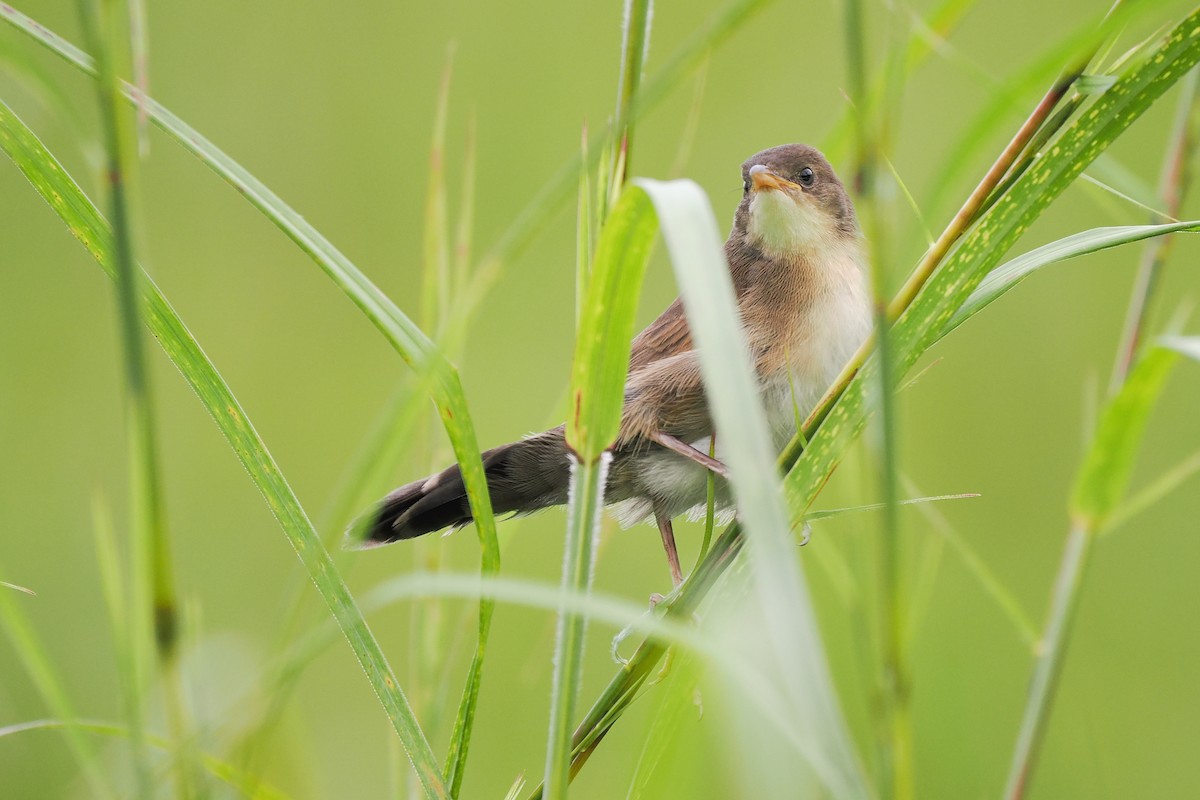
{"points": [[635, 47], [606, 327], [781, 596], [1104, 476], [597, 393], [435, 285], [84, 221], [154, 627], [583, 532], [1008, 275], [33, 656]]}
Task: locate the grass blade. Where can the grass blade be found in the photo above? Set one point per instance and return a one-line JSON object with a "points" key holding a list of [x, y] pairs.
{"points": [[597, 392], [154, 627], [635, 47], [83, 220], [1104, 476], [1008, 275], [780, 594], [32, 653]]}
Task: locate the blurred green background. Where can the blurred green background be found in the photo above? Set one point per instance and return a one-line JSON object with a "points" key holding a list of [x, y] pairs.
{"points": [[332, 106]]}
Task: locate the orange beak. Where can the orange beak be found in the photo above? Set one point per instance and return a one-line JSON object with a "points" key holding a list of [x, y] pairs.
{"points": [[762, 179]]}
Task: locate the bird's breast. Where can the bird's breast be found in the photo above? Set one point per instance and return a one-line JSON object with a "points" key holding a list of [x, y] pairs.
{"points": [[812, 337]]}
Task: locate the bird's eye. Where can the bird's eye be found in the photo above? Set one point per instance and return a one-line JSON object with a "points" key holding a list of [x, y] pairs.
{"points": [[806, 177]]}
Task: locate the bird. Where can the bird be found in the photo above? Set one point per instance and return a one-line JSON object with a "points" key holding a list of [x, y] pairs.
{"points": [[797, 261]]}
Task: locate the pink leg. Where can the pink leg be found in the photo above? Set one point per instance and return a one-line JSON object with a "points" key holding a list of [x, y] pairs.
{"points": [[687, 451], [668, 539]]}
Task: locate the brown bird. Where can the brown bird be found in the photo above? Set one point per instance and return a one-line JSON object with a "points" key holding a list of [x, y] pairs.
{"points": [[796, 261]]}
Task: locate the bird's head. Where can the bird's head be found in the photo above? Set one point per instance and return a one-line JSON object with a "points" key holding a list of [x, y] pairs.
{"points": [[793, 203]]}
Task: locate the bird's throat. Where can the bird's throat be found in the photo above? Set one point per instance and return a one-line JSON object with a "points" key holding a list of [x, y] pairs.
{"points": [[783, 227]]}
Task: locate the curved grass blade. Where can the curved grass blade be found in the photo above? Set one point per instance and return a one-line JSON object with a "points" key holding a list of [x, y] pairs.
{"points": [[45, 679], [85, 222], [1008, 275], [154, 628], [779, 591]]}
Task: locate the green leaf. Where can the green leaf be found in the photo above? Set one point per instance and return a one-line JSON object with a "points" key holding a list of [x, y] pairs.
{"points": [[606, 328], [85, 222], [597, 393], [1008, 275], [1104, 476]]}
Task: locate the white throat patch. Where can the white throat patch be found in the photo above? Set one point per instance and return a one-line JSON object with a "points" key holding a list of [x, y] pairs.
{"points": [[782, 226]]}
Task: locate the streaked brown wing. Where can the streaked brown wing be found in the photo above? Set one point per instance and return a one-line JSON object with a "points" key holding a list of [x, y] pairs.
{"points": [[666, 336]]}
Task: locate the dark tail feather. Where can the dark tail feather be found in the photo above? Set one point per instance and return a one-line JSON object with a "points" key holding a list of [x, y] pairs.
{"points": [[522, 477]]}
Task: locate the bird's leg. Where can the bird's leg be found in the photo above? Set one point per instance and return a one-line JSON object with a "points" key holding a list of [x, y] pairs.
{"points": [[668, 539], [687, 451]]}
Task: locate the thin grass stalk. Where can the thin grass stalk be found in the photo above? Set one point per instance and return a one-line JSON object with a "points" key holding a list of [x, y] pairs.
{"points": [[154, 604], [583, 530], [40, 668], [1174, 183], [1048, 671], [464, 229], [635, 46], [583, 230], [139, 55], [894, 734]]}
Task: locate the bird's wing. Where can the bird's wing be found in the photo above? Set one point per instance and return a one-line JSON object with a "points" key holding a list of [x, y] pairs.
{"points": [[666, 336]]}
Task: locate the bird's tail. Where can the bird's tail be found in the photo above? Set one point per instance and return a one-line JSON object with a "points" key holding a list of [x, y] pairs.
{"points": [[522, 477]]}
